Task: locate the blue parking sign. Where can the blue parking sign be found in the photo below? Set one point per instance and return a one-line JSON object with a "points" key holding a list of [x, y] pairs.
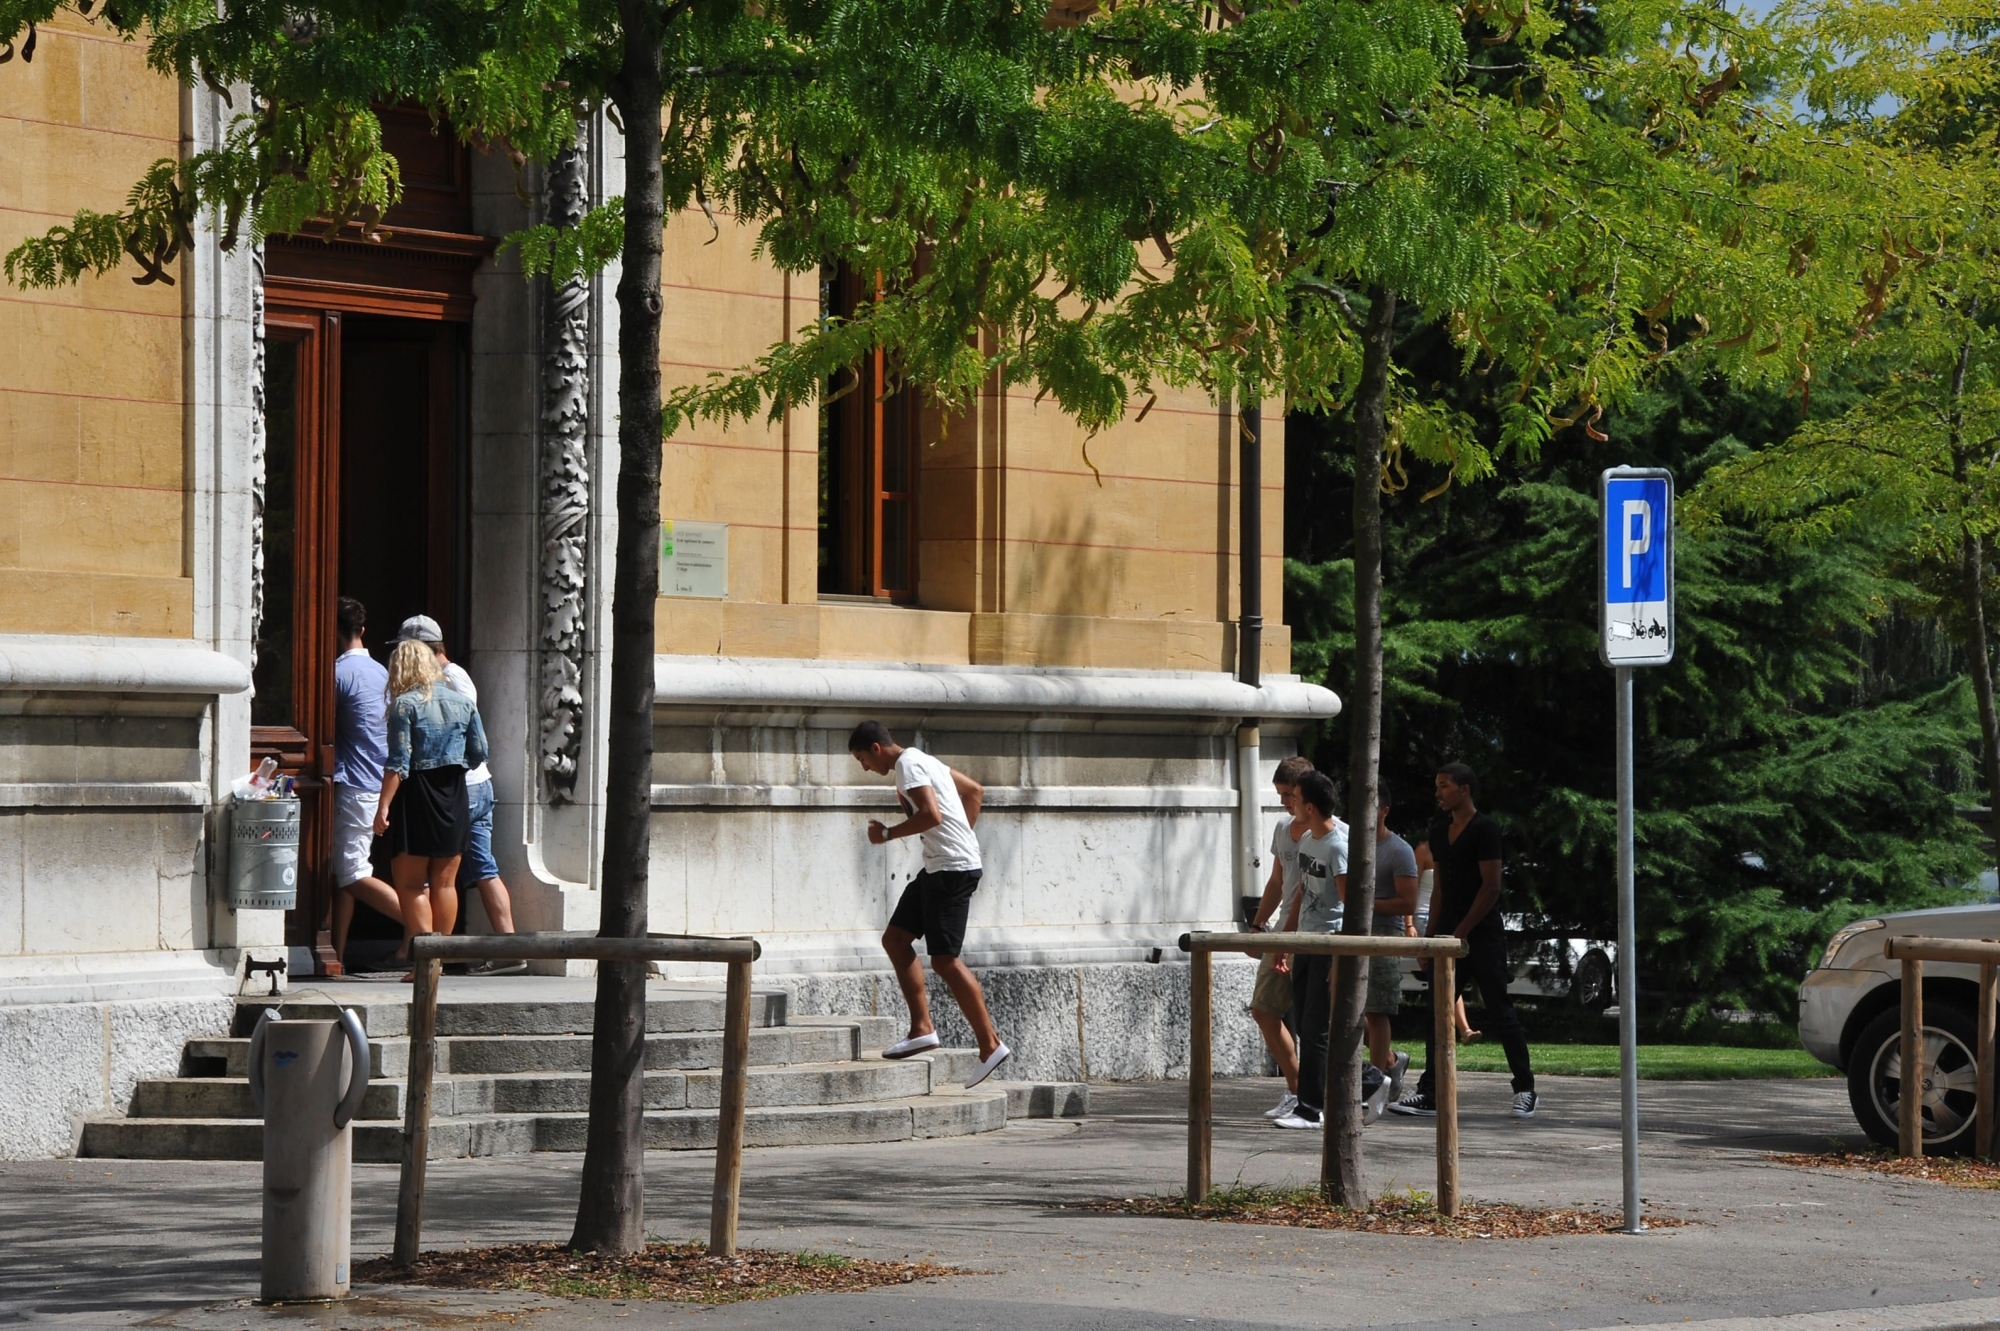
{"points": [[1636, 564]]}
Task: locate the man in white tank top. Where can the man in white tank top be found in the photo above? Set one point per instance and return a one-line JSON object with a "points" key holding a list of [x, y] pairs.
{"points": [[942, 805]]}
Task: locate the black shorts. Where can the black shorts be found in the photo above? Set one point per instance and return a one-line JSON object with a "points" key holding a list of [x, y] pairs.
{"points": [[934, 906]]}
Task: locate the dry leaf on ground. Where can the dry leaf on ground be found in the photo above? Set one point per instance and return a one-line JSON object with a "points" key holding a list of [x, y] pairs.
{"points": [[1305, 1208], [683, 1272], [1956, 1171]]}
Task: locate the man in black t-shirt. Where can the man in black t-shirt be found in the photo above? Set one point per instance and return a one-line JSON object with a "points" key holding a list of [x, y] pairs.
{"points": [[1463, 852]]}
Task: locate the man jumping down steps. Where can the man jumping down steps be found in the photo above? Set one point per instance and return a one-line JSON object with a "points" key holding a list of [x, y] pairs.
{"points": [[941, 806]]}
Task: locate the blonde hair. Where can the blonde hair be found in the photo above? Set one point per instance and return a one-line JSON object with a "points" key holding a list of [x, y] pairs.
{"points": [[413, 665]]}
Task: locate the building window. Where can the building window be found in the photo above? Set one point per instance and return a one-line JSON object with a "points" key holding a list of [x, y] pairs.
{"points": [[868, 466]]}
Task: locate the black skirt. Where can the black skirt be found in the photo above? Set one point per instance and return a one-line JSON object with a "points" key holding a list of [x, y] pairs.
{"points": [[429, 815]]}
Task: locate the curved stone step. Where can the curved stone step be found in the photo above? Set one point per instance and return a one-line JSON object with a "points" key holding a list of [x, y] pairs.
{"points": [[229, 1056], [464, 1010], [846, 1082], [945, 1114], [691, 1050]]}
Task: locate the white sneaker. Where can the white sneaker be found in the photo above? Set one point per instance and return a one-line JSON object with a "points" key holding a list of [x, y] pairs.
{"points": [[1295, 1121], [1396, 1078], [1284, 1106], [1373, 1104], [985, 1069], [915, 1044]]}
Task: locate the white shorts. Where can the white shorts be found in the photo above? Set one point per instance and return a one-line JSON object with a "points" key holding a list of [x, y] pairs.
{"points": [[353, 833]]}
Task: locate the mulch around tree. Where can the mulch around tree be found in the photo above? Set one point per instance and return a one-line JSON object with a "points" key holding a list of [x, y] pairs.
{"points": [[1411, 1213], [1951, 1170], [682, 1272]]}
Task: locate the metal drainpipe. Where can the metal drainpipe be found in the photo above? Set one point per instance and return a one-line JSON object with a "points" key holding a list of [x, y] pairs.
{"points": [[1249, 636]]}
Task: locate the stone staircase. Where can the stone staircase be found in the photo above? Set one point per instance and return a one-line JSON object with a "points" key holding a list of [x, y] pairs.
{"points": [[513, 1076]]}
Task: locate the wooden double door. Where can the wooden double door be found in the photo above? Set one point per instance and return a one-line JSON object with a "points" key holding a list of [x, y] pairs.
{"points": [[366, 495]]}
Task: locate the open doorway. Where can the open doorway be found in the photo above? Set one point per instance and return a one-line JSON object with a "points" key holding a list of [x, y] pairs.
{"points": [[366, 495]]}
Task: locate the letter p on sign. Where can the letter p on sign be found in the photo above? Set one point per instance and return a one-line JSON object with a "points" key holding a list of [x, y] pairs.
{"points": [[1638, 533], [1635, 561]]}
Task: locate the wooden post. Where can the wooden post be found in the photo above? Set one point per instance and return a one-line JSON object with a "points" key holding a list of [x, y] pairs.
{"points": [[1444, 1078], [417, 1109], [722, 1207], [1910, 1107], [1201, 1073], [1982, 1131]]}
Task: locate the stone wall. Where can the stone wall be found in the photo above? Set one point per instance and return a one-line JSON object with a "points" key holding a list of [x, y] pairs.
{"points": [[1096, 1021], [85, 1058]]}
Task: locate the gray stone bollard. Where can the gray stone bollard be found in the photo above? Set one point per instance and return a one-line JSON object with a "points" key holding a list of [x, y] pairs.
{"points": [[308, 1078]]}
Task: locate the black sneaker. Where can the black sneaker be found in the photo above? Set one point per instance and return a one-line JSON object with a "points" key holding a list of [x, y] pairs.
{"points": [[1416, 1105], [1526, 1103]]}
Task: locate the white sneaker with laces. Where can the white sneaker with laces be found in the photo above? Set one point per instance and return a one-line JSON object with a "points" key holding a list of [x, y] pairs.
{"points": [[1295, 1121], [1283, 1107], [1526, 1103], [915, 1044]]}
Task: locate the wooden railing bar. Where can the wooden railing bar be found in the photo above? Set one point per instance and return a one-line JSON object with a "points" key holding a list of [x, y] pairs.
{"points": [[1442, 952], [581, 947], [428, 953]]}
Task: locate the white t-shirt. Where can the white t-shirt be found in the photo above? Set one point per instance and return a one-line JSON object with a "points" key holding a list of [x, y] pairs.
{"points": [[1286, 852], [454, 675], [950, 846], [1322, 862]]}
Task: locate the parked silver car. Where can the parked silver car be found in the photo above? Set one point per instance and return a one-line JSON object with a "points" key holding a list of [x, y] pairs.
{"points": [[1850, 1016], [1546, 964]]}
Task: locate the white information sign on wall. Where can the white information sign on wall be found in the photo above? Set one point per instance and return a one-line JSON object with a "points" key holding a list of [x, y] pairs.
{"points": [[1636, 567], [694, 558]]}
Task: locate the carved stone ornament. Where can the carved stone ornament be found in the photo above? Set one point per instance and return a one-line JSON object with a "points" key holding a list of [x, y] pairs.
{"points": [[565, 493], [257, 448]]}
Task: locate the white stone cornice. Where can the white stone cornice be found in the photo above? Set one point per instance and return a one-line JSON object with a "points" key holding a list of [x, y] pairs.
{"points": [[701, 681], [117, 665]]}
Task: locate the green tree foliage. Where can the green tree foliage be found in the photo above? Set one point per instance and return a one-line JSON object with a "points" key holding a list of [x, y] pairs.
{"points": [[1914, 464], [1797, 764]]}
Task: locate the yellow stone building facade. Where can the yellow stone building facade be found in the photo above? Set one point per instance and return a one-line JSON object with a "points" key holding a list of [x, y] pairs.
{"points": [[190, 473]]}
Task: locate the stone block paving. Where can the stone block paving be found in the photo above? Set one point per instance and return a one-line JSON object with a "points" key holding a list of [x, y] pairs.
{"points": [[116, 1243]]}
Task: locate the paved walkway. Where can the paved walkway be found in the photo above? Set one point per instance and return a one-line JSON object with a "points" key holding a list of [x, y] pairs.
{"points": [[115, 1243]]}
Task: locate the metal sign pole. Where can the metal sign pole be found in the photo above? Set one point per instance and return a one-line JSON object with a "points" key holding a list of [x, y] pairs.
{"points": [[1635, 616], [1628, 962]]}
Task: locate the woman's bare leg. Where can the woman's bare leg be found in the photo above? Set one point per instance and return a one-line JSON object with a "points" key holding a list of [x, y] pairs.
{"points": [[408, 873], [444, 893]]}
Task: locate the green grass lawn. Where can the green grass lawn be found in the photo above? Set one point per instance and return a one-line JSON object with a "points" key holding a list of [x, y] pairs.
{"points": [[1663, 1062]]}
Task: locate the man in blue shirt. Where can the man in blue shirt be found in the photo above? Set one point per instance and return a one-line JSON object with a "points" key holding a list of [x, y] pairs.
{"points": [[360, 748]]}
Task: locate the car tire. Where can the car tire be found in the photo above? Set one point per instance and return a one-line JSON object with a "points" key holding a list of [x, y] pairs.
{"points": [[1594, 986], [1951, 1094]]}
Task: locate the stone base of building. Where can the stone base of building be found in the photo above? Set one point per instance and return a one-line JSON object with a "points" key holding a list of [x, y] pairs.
{"points": [[66, 1060], [1109, 1021]]}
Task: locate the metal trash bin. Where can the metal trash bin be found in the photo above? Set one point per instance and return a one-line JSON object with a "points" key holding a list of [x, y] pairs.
{"points": [[264, 854]]}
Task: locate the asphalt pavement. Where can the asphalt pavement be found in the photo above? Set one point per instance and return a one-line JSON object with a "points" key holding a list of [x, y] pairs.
{"points": [[121, 1243]]}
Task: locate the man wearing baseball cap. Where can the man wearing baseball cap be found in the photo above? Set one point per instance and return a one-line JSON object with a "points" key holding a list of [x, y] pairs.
{"points": [[479, 864]]}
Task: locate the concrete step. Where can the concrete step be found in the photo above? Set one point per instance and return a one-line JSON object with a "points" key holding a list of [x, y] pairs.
{"points": [[558, 1092], [383, 1015], [946, 1114], [697, 1049], [822, 1042]]}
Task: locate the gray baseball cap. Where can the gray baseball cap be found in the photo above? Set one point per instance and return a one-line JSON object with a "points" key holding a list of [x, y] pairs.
{"points": [[421, 628]]}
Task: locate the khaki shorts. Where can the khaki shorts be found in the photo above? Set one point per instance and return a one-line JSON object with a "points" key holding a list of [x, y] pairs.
{"points": [[1385, 974], [1273, 991]]}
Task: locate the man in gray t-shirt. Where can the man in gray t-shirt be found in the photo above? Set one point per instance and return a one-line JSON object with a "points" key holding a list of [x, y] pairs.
{"points": [[1395, 903]]}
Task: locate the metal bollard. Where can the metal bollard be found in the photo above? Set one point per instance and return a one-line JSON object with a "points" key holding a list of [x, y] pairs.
{"points": [[307, 1078]]}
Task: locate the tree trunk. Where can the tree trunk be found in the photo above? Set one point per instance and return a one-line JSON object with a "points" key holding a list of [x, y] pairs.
{"points": [[1972, 586], [610, 1213], [1340, 1162]]}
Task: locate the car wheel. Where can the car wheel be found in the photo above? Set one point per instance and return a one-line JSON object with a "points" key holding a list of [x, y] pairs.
{"points": [[1875, 1078], [1593, 987]]}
